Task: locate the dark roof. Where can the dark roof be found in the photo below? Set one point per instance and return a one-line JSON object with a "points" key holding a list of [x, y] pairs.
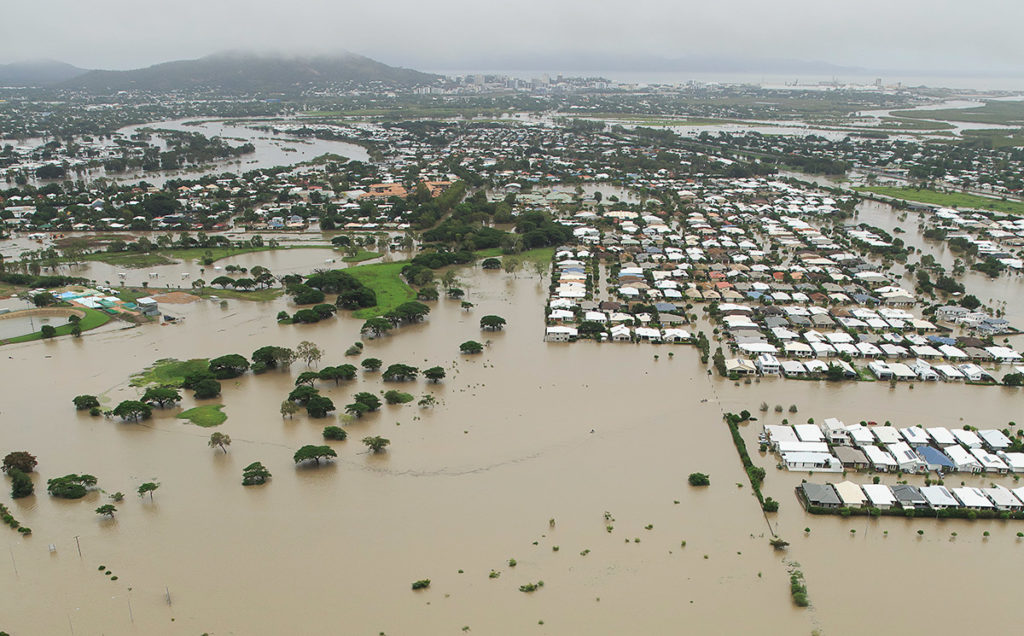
{"points": [[934, 456], [820, 494]]}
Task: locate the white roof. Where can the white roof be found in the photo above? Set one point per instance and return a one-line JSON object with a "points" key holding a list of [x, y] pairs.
{"points": [[938, 497], [878, 457], [808, 432], [886, 434], [941, 435], [972, 497], [994, 438], [778, 433], [967, 438], [915, 435], [1001, 497], [879, 494]]}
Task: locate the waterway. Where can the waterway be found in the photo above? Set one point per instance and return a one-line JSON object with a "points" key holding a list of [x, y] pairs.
{"points": [[523, 434]]}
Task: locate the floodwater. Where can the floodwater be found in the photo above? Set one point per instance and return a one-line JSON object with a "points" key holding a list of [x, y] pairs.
{"points": [[524, 433], [271, 150]]}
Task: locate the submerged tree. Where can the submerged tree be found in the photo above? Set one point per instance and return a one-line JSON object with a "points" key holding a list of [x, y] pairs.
{"points": [[309, 352], [376, 444], [19, 460], [255, 474], [223, 440], [133, 410], [148, 487], [315, 453], [107, 510]]}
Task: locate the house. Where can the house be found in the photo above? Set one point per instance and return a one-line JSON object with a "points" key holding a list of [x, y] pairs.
{"points": [[915, 435], [793, 369], [935, 459], [880, 369], [994, 439], [1003, 499], [887, 434], [990, 463], [880, 460], [817, 462], [860, 435], [1014, 460], [808, 433], [777, 434], [966, 437], [973, 498], [962, 460], [925, 371], [561, 334], [767, 364], [850, 494], [879, 495], [739, 366], [851, 457], [907, 460], [909, 497], [818, 496], [941, 436], [939, 498], [835, 432]]}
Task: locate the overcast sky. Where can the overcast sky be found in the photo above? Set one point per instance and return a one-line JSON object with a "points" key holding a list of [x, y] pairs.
{"points": [[981, 36]]}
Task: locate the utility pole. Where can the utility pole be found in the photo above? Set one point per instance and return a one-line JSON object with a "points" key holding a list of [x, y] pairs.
{"points": [[79, 547]]}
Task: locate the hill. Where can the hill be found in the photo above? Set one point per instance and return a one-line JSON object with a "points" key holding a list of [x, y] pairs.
{"points": [[37, 73], [250, 73]]}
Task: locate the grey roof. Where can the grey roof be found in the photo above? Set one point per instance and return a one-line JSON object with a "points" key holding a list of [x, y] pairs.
{"points": [[849, 455], [821, 494], [905, 493]]}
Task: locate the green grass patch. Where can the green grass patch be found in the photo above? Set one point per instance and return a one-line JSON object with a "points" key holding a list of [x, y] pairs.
{"points": [[362, 255], [948, 199], [542, 255], [206, 416], [991, 112], [262, 295], [385, 279], [169, 372], [904, 123], [92, 319]]}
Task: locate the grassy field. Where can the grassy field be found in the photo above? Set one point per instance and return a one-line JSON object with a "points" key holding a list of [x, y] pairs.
{"points": [[169, 372], [540, 255], [948, 199], [261, 295], [206, 416], [363, 255], [902, 123], [92, 319], [385, 279], [991, 112]]}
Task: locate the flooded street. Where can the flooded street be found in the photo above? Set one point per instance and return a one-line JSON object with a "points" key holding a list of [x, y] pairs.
{"points": [[522, 434]]}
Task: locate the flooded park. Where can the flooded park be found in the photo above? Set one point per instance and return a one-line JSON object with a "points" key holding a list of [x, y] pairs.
{"points": [[548, 462]]}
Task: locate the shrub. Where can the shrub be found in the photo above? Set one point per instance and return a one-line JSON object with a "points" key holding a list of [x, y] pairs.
{"points": [[422, 584]]}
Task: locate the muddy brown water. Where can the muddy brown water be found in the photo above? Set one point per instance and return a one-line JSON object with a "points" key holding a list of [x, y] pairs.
{"points": [[523, 433]]}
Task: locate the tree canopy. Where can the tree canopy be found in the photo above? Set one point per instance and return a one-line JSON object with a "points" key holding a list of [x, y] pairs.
{"points": [[399, 373], [86, 402], [255, 474], [492, 322], [133, 410], [162, 396], [471, 346], [19, 460], [434, 374], [315, 453], [229, 366]]}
